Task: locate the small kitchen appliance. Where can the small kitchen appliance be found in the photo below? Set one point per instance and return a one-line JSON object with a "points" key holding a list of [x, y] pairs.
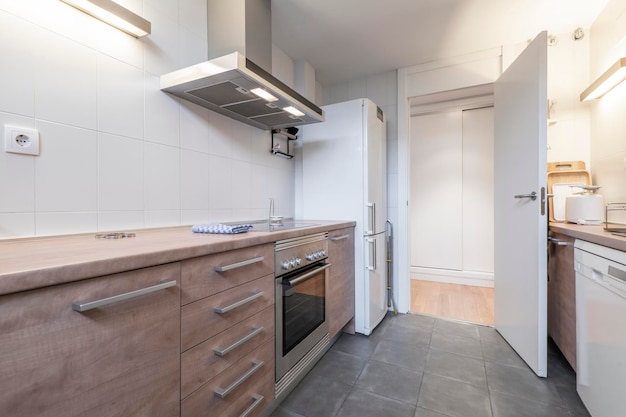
{"points": [[585, 207]]}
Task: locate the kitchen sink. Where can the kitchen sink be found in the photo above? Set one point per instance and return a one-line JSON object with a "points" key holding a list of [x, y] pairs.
{"points": [[266, 226]]}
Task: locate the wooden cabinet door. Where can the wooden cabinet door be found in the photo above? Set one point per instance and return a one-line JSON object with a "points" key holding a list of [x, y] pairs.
{"points": [[562, 296], [117, 360], [341, 279]]}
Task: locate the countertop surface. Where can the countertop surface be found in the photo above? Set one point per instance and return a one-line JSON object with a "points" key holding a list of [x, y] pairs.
{"points": [[37, 262], [590, 233]]}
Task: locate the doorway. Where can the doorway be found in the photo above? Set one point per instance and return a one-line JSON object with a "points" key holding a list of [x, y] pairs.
{"points": [[451, 210]]}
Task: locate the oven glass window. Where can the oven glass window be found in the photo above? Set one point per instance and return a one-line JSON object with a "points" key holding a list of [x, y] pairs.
{"points": [[303, 309]]}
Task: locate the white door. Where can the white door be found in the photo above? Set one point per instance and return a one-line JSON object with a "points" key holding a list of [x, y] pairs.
{"points": [[520, 96]]}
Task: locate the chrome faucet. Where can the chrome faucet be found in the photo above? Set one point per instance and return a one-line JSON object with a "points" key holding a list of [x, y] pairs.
{"points": [[269, 218]]}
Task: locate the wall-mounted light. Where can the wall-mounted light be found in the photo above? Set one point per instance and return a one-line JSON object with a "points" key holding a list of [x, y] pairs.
{"points": [[115, 15], [606, 82]]}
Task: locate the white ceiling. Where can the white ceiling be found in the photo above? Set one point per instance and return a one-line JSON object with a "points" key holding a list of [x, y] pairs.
{"points": [[348, 39]]}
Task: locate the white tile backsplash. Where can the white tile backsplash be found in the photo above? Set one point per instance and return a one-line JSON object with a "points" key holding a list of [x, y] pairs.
{"points": [[116, 152], [120, 173], [161, 177], [162, 114], [194, 180], [66, 170], [65, 82], [17, 72], [65, 222], [120, 98]]}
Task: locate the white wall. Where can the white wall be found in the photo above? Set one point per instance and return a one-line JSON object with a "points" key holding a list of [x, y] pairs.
{"points": [[116, 152], [608, 124]]}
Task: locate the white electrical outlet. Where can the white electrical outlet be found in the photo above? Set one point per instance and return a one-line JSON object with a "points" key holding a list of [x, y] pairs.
{"points": [[21, 140]]}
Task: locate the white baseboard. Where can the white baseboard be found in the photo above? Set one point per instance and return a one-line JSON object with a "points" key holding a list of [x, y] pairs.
{"points": [[474, 278]]}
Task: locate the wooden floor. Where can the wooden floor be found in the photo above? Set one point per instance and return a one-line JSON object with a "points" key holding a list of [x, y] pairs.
{"points": [[452, 301]]}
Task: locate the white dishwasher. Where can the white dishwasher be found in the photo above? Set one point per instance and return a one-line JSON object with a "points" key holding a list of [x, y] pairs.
{"points": [[601, 328]]}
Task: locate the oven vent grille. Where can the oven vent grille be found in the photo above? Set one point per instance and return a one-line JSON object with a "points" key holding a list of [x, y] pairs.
{"points": [[293, 376]]}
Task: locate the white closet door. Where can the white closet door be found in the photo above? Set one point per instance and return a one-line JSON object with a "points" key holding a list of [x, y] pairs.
{"points": [[478, 190], [436, 191]]}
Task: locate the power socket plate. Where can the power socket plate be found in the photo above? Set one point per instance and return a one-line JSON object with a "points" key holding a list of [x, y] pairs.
{"points": [[21, 140]]}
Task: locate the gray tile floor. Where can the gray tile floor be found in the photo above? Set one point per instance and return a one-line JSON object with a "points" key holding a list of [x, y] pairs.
{"points": [[418, 366]]}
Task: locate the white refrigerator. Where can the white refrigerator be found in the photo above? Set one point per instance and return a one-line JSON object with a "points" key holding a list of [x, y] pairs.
{"points": [[343, 177]]}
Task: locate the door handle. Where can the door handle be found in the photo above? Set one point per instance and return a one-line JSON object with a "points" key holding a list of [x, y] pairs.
{"points": [[532, 196]]}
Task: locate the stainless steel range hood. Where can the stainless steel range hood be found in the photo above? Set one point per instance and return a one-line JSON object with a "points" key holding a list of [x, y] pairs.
{"points": [[229, 83]]}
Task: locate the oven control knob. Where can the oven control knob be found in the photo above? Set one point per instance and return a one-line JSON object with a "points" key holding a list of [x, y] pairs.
{"points": [[298, 261], [323, 252], [292, 262], [309, 257], [285, 265]]}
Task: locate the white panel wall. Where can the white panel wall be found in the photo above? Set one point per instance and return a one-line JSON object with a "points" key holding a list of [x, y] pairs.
{"points": [[116, 152], [608, 124]]}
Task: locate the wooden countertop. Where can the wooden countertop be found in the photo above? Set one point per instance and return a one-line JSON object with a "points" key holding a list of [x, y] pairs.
{"points": [[37, 262], [590, 233]]}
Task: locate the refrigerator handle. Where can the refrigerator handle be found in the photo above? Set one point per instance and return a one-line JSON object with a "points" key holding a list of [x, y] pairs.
{"points": [[371, 250], [371, 218]]}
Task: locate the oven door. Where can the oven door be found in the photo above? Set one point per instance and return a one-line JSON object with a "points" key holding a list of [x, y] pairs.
{"points": [[300, 314]]}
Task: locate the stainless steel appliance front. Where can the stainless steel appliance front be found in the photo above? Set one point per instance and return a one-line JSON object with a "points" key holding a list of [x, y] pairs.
{"points": [[301, 283]]}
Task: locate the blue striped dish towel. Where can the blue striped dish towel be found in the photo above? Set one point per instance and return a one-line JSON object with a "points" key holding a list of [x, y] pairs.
{"points": [[221, 228]]}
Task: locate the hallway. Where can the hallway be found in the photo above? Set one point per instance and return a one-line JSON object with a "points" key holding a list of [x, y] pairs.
{"points": [[419, 366], [452, 301]]}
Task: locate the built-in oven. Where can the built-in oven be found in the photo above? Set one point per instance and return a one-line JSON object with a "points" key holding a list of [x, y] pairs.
{"points": [[301, 283]]}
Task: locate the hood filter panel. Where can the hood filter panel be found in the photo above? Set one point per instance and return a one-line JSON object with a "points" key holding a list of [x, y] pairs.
{"points": [[222, 94]]}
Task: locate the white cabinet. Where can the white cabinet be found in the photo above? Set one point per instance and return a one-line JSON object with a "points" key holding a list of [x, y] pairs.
{"points": [[452, 196]]}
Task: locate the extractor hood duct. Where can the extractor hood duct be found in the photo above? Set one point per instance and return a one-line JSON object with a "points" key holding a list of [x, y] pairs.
{"points": [[239, 71]]}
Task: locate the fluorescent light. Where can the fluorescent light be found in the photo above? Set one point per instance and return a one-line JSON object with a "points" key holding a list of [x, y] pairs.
{"points": [[293, 110], [264, 94], [115, 15], [606, 82]]}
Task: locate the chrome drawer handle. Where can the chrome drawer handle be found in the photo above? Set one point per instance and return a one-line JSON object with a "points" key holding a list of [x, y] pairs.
{"points": [[334, 239], [559, 242], [223, 392], [81, 306], [258, 399], [222, 310], [222, 352], [238, 264]]}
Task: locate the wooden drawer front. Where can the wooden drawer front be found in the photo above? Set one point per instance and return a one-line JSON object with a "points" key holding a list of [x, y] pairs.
{"points": [[200, 279], [200, 322], [120, 359], [205, 402], [341, 252], [201, 363]]}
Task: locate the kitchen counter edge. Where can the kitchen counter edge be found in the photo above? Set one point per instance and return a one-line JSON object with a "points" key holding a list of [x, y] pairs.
{"points": [[38, 262], [590, 233]]}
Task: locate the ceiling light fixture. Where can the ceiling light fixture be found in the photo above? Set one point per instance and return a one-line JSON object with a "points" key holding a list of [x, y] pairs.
{"points": [[115, 15], [264, 94], [293, 110], [606, 82]]}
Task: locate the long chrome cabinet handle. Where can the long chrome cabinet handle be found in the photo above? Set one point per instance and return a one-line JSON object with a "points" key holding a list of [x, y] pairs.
{"points": [[258, 399], [238, 264], [223, 392], [309, 274], [222, 352], [532, 196], [81, 306], [222, 310], [336, 238]]}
